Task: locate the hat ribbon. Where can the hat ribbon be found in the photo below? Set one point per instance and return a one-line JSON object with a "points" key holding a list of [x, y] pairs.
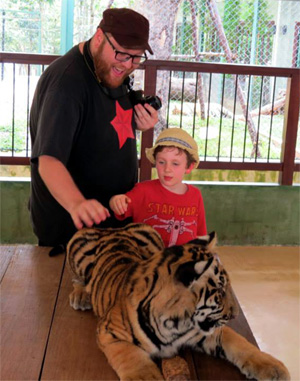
{"points": [[175, 140]]}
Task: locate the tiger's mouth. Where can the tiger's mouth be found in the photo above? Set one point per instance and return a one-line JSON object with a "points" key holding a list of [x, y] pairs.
{"points": [[208, 324]]}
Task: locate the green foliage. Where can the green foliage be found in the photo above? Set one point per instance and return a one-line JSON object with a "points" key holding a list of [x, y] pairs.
{"points": [[34, 26], [29, 26], [231, 139], [248, 11], [16, 138], [231, 19], [184, 43], [238, 19]]}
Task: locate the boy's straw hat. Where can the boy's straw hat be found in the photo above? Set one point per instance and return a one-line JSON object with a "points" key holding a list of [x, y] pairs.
{"points": [[175, 137]]}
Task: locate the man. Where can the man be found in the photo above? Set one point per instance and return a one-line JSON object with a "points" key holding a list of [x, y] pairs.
{"points": [[82, 126]]}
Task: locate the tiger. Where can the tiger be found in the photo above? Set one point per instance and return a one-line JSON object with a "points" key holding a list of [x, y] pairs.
{"points": [[152, 301]]}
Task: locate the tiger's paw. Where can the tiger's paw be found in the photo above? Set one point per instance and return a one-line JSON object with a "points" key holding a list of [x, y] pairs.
{"points": [[264, 368], [175, 369], [79, 298], [143, 374]]}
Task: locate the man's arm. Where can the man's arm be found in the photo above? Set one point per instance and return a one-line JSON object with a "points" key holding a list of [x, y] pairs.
{"points": [[62, 187]]}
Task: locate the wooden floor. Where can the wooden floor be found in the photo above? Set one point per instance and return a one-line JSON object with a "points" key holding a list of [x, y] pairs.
{"points": [[43, 338]]}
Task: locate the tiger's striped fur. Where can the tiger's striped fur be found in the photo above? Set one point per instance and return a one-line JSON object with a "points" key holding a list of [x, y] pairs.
{"points": [[152, 301]]}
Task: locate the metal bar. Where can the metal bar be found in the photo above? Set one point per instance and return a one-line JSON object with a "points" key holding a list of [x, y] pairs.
{"points": [[271, 121], [3, 42], [28, 110], [222, 165], [66, 29], [296, 46], [169, 98], [208, 110], [259, 114], [233, 119], [254, 32], [182, 96], [231, 165], [195, 104], [16, 160], [13, 112], [220, 68], [246, 119], [221, 118], [291, 126], [203, 67], [21, 58]]}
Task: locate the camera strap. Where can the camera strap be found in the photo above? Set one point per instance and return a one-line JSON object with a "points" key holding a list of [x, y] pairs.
{"points": [[87, 55]]}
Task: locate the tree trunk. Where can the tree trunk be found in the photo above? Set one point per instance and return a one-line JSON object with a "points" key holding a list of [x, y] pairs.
{"points": [[92, 17], [110, 3], [162, 16], [195, 48]]}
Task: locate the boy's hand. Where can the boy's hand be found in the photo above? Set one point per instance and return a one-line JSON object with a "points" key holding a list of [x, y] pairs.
{"points": [[119, 203]]}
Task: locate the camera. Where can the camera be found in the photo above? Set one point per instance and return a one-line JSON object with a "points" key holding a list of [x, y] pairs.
{"points": [[136, 97]]}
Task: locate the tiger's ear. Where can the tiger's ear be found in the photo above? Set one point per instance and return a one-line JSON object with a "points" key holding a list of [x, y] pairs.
{"points": [[212, 242], [190, 271], [186, 273], [209, 240]]}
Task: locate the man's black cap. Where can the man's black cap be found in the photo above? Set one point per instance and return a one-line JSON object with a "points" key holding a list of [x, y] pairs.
{"points": [[129, 28]]}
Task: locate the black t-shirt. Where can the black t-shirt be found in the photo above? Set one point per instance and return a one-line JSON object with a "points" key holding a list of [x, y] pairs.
{"points": [[88, 128]]}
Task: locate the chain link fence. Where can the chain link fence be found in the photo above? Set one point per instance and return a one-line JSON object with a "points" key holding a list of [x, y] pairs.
{"points": [[254, 32], [251, 32]]}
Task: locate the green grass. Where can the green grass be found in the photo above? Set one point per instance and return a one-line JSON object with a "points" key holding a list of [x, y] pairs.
{"points": [[231, 138], [13, 138]]}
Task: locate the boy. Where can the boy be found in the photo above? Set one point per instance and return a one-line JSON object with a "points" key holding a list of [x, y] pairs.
{"points": [[173, 208]]}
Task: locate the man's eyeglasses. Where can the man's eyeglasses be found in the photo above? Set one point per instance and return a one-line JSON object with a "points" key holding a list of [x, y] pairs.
{"points": [[124, 57]]}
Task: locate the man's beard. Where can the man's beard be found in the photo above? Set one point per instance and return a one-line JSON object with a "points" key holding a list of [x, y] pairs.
{"points": [[103, 70]]}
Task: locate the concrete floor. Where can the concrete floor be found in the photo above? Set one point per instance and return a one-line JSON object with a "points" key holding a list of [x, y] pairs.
{"points": [[266, 282]]}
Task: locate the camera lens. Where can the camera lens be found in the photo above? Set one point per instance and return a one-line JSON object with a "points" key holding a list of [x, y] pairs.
{"points": [[153, 101]]}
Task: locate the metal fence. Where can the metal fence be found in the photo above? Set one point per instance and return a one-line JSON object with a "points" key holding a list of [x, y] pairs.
{"points": [[213, 102]]}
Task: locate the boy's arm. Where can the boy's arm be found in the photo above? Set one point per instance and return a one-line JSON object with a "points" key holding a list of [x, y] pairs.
{"points": [[127, 205], [201, 229], [119, 204]]}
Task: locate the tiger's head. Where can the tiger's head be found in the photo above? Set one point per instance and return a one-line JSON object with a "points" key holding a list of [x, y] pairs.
{"points": [[190, 291]]}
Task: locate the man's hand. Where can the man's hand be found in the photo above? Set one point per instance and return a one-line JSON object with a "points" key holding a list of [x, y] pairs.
{"points": [[62, 187], [145, 116], [119, 204], [88, 213]]}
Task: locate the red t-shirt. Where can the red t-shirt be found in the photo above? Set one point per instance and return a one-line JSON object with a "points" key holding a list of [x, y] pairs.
{"points": [[178, 218]]}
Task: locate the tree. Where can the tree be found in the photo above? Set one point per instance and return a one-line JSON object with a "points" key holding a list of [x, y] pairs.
{"points": [[161, 40], [37, 24]]}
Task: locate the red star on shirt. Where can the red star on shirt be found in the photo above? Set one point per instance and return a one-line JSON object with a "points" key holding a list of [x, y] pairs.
{"points": [[122, 124]]}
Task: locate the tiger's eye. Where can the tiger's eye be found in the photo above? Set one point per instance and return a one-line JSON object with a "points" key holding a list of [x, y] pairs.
{"points": [[169, 323]]}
